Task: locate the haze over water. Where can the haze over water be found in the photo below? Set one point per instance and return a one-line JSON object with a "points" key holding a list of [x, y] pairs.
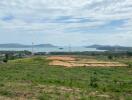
{"points": [[52, 49]]}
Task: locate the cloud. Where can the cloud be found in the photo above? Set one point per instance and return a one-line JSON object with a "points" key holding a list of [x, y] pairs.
{"points": [[78, 17]]}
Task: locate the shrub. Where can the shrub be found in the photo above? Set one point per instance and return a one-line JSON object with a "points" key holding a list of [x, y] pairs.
{"points": [[6, 58], [94, 80], [110, 57], [129, 65]]}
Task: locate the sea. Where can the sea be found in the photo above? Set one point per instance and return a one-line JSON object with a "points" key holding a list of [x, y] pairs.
{"points": [[52, 49]]}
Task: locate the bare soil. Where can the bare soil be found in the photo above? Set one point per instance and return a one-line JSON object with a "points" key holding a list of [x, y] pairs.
{"points": [[70, 61], [63, 58]]}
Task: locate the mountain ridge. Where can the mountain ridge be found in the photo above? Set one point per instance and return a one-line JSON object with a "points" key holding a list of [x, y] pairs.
{"points": [[17, 45], [110, 48]]}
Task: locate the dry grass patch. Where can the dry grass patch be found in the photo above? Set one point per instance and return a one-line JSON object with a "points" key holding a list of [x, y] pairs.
{"points": [[70, 61], [63, 58]]}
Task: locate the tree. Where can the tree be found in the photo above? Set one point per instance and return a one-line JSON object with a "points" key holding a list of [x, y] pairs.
{"points": [[94, 80], [6, 58], [110, 57]]}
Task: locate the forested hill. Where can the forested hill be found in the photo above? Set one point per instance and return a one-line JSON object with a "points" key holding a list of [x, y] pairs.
{"points": [[15, 45], [110, 48]]}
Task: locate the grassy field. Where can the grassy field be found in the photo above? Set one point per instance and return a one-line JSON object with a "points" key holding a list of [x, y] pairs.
{"points": [[34, 79]]}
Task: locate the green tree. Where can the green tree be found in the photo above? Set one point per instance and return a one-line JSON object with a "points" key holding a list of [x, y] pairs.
{"points": [[6, 58]]}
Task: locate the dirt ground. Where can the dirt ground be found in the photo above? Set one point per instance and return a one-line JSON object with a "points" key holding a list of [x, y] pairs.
{"points": [[63, 58], [70, 61]]}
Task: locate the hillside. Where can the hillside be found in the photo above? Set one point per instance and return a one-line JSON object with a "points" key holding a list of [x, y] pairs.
{"points": [[34, 79], [15, 45], [110, 48]]}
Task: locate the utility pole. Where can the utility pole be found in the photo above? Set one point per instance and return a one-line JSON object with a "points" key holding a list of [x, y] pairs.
{"points": [[32, 48], [70, 48]]}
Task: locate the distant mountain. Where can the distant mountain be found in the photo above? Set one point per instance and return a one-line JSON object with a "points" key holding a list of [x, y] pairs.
{"points": [[15, 45], [110, 48], [94, 46], [44, 45], [12, 45]]}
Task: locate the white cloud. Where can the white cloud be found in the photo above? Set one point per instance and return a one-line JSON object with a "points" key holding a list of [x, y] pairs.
{"points": [[57, 16]]}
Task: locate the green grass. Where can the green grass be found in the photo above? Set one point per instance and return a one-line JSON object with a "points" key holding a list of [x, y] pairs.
{"points": [[33, 78]]}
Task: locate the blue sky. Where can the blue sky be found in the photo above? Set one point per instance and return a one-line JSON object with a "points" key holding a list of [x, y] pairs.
{"points": [[64, 22]]}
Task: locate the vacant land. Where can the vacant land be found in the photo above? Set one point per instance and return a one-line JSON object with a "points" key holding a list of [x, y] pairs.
{"points": [[34, 79], [70, 61]]}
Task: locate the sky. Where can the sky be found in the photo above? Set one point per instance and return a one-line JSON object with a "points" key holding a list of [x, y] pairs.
{"points": [[64, 22]]}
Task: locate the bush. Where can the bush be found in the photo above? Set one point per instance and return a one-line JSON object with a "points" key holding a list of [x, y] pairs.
{"points": [[6, 93], [6, 58], [130, 65], [93, 81], [110, 57]]}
